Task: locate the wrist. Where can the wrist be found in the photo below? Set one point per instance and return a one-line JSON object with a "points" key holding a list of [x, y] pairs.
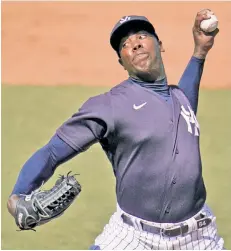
{"points": [[199, 53], [11, 204]]}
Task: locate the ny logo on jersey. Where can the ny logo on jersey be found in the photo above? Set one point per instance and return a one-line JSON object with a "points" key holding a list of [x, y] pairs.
{"points": [[124, 19], [190, 119]]}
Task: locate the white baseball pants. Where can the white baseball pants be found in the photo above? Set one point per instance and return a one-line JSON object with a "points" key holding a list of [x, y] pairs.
{"points": [[118, 235]]}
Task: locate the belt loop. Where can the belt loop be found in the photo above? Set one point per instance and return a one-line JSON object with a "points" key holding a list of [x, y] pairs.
{"points": [[162, 232], [181, 228]]}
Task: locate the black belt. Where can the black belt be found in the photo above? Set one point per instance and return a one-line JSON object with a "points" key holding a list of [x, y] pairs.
{"points": [[202, 221]]}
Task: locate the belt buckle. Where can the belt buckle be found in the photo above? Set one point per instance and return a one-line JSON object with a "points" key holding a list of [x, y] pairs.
{"points": [[163, 231]]}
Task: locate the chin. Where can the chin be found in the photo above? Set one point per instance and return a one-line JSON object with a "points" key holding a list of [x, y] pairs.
{"points": [[147, 68], [148, 74]]}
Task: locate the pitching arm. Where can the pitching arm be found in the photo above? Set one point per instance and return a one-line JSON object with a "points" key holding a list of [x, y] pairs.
{"points": [[190, 81], [203, 42]]}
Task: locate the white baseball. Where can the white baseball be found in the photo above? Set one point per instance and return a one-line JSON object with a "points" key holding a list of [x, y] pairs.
{"points": [[209, 25]]}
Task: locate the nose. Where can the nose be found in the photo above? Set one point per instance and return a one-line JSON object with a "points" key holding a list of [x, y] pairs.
{"points": [[137, 45]]}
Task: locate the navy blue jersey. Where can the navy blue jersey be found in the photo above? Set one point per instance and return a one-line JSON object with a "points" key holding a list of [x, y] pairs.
{"points": [[153, 146]]}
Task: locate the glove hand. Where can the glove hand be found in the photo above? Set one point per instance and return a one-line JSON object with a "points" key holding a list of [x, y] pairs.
{"points": [[23, 211], [203, 41], [41, 207]]}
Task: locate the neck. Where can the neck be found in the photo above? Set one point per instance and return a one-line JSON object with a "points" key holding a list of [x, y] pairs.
{"points": [[158, 81], [160, 85], [162, 74], [148, 78]]}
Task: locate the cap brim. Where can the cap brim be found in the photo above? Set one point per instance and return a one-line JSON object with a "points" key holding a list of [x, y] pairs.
{"points": [[128, 26]]}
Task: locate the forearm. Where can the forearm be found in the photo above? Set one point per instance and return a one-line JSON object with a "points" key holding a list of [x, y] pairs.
{"points": [[190, 80], [41, 166]]}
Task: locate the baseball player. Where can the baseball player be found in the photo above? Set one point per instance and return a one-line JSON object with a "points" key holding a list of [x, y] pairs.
{"points": [[150, 134]]}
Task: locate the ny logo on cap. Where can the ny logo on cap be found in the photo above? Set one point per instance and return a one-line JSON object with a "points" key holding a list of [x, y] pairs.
{"points": [[124, 19]]}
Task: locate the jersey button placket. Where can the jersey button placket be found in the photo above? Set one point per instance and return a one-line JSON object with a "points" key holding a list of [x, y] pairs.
{"points": [[167, 210], [174, 181], [177, 151]]}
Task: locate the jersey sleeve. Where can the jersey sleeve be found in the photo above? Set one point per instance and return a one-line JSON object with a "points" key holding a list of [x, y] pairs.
{"points": [[92, 123], [42, 165], [190, 81]]}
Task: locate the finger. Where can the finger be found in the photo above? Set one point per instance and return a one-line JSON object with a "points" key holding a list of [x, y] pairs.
{"points": [[203, 11], [199, 18], [202, 15], [198, 21]]}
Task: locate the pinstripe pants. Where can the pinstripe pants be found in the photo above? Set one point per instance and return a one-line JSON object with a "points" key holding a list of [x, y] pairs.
{"points": [[119, 235]]}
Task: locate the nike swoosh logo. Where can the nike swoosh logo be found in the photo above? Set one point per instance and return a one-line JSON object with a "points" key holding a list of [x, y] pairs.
{"points": [[137, 107]]}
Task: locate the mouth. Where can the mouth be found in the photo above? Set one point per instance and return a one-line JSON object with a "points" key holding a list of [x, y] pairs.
{"points": [[140, 57]]}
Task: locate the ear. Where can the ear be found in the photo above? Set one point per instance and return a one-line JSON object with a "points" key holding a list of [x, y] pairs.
{"points": [[161, 46], [121, 63]]}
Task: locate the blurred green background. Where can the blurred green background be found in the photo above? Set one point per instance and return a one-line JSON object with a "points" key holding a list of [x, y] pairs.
{"points": [[30, 116]]}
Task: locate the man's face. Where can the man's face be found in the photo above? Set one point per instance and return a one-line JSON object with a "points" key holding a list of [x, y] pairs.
{"points": [[140, 55]]}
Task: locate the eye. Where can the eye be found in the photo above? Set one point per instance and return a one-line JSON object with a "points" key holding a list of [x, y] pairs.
{"points": [[142, 36], [125, 45]]}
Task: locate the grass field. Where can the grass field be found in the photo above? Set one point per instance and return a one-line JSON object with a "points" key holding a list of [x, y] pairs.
{"points": [[30, 116]]}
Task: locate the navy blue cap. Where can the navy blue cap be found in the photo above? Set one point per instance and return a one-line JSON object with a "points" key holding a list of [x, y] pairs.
{"points": [[127, 23]]}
